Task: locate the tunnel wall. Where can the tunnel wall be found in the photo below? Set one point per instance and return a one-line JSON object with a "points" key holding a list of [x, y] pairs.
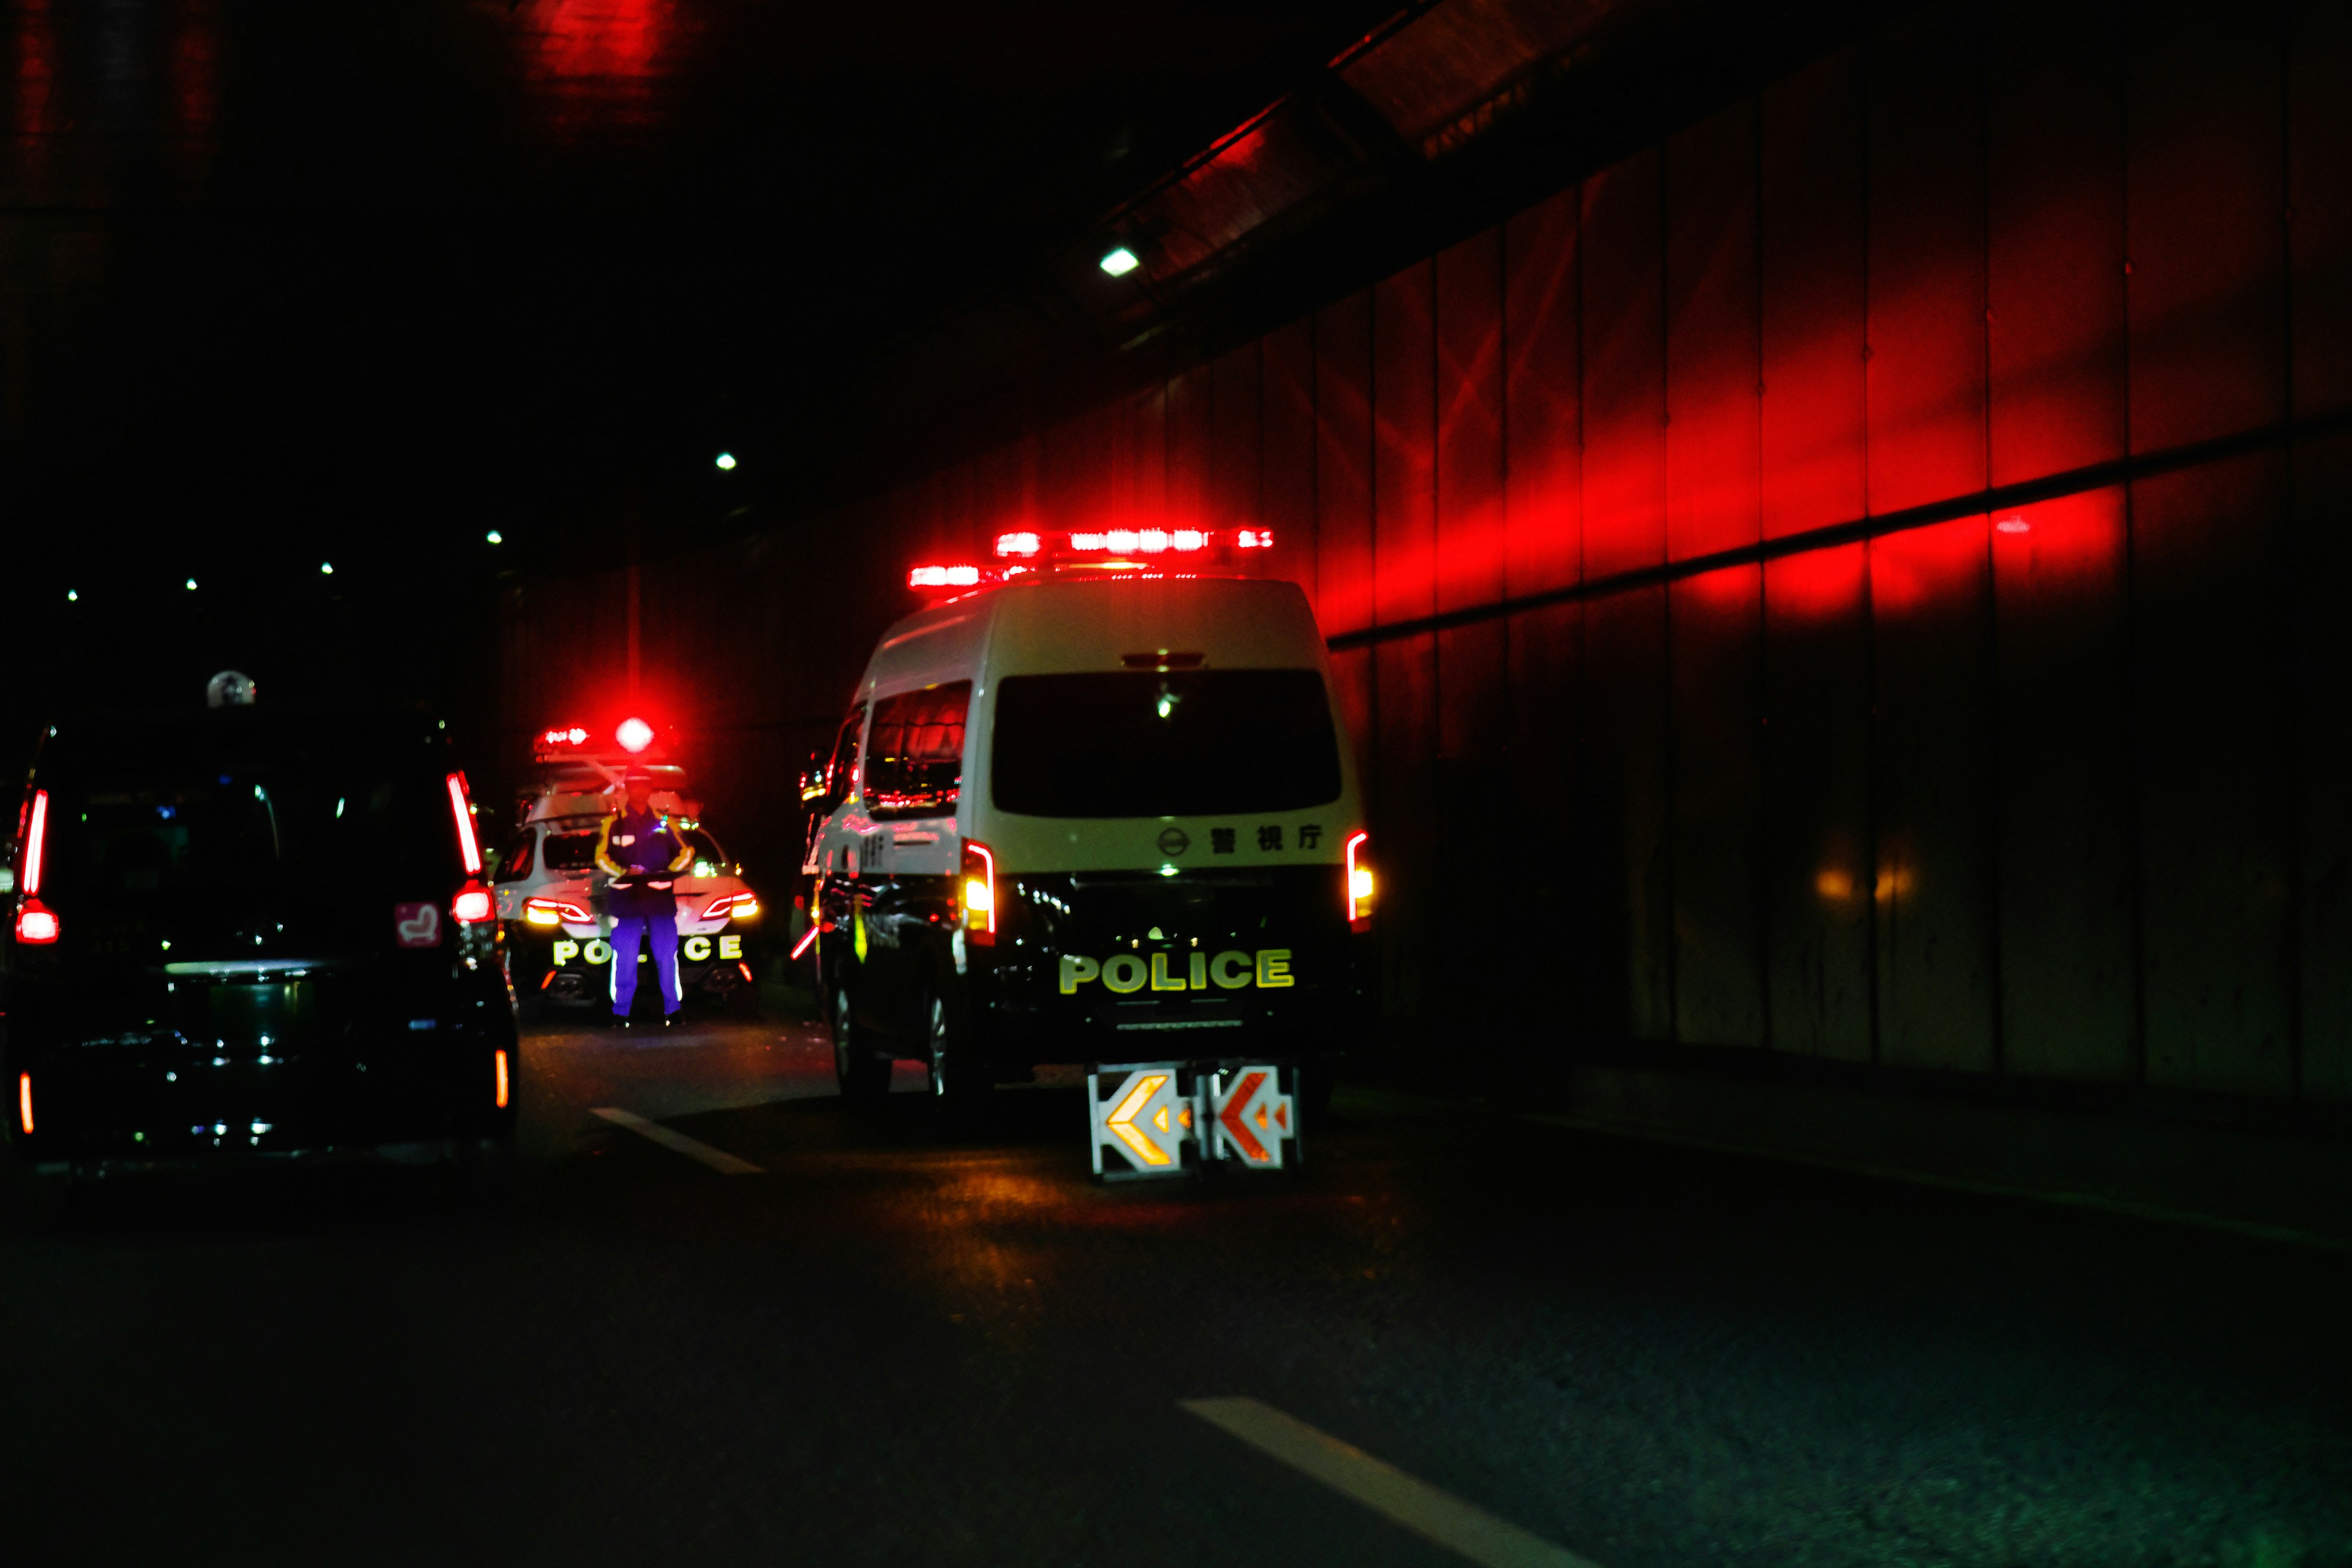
{"points": [[1857, 580]]}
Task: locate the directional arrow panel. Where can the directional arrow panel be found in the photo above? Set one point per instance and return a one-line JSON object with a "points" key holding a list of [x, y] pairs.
{"points": [[1250, 1120], [1143, 1114]]}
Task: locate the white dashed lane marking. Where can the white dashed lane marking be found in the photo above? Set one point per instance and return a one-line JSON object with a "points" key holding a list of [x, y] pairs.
{"points": [[1440, 1516], [693, 1149]]}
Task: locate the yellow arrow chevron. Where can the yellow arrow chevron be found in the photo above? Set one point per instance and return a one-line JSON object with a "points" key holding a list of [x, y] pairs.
{"points": [[1121, 1120]]}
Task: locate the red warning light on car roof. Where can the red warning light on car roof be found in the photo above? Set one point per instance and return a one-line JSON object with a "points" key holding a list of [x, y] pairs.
{"points": [[574, 736], [943, 577], [634, 734]]}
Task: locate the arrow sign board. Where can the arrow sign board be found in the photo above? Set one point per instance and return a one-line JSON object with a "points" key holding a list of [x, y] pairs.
{"points": [[1250, 1120], [1143, 1114]]}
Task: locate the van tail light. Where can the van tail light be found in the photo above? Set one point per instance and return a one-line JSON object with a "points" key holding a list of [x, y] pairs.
{"points": [[24, 1102], [1358, 891], [472, 906], [502, 1079], [539, 911], [36, 842], [734, 906], [979, 893], [36, 924], [470, 848]]}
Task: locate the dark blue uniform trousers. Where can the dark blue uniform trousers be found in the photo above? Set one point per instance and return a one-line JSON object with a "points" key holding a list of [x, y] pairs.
{"points": [[660, 934]]}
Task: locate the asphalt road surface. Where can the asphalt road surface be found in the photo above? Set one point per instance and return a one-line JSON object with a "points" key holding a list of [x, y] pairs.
{"points": [[1459, 1336]]}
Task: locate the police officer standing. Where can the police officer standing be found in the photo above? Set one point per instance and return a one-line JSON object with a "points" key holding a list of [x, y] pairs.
{"points": [[643, 855]]}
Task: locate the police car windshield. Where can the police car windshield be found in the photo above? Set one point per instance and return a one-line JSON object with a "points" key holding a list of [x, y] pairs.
{"points": [[1171, 743], [206, 830]]}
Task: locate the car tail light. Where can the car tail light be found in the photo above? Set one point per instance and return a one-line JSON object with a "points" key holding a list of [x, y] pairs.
{"points": [[37, 841], [36, 924], [470, 848], [737, 906], [979, 892], [472, 906], [540, 911], [502, 1080], [1359, 890]]}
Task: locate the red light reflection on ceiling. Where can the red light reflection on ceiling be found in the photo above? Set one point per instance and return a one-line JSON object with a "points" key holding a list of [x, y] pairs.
{"points": [[589, 39]]}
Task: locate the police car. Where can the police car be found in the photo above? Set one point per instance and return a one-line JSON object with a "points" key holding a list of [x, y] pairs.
{"points": [[1098, 803], [553, 907], [244, 930]]}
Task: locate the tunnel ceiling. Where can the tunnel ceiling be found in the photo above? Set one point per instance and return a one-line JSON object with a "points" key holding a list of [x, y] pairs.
{"points": [[355, 270]]}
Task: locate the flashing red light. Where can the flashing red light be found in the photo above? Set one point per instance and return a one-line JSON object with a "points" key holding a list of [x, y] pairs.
{"points": [[36, 924], [943, 577], [470, 848], [37, 841], [472, 906], [1357, 891], [634, 734], [1254, 539], [2013, 525], [979, 893], [1022, 543], [1143, 541], [574, 736]]}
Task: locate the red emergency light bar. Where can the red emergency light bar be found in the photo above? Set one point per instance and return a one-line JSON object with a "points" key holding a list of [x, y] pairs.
{"points": [[574, 736], [1021, 552], [1025, 545]]}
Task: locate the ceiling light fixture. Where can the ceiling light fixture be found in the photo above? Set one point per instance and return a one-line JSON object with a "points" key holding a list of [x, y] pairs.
{"points": [[1121, 262]]}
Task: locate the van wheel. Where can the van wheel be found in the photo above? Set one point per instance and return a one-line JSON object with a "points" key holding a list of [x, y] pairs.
{"points": [[958, 1084], [861, 1075]]}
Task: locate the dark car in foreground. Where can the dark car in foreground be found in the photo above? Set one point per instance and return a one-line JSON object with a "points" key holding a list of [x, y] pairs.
{"points": [[244, 932]]}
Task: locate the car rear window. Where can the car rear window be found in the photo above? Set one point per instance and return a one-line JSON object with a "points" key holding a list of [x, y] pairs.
{"points": [[1170, 743], [214, 829], [569, 851]]}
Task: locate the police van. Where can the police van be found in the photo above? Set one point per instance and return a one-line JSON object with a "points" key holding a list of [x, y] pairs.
{"points": [[552, 901], [1095, 808]]}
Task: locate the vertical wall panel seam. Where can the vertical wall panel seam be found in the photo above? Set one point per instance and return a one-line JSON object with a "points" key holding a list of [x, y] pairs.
{"points": [[2134, 676], [1667, 591], [1767, 1039], [1869, 597], [2285, 575], [1989, 651]]}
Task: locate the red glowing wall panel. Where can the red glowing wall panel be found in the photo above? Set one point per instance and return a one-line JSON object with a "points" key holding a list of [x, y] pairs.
{"points": [[2062, 749], [2319, 199], [1712, 369], [1191, 406], [1624, 369], [1286, 487], [1142, 452], [1343, 465], [1470, 566], [1716, 627], [1404, 424], [1351, 688], [1235, 423], [2207, 276], [2055, 285], [1814, 285], [1817, 819], [1543, 456], [1625, 881], [1932, 798], [2323, 564], [1404, 751], [2215, 780], [1926, 368]]}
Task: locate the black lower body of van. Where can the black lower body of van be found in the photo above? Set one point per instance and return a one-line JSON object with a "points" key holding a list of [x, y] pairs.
{"points": [[1103, 966]]}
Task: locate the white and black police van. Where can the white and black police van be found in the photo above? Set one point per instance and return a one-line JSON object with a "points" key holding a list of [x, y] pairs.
{"points": [[1098, 808]]}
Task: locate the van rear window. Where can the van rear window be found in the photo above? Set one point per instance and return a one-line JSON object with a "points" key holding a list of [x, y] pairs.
{"points": [[914, 758], [1173, 744]]}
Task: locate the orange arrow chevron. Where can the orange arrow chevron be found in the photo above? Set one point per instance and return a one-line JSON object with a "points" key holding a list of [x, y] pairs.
{"points": [[1121, 1120], [1236, 1128]]}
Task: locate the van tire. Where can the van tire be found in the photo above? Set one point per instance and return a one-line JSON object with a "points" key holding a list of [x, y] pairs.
{"points": [[959, 1087], [863, 1077]]}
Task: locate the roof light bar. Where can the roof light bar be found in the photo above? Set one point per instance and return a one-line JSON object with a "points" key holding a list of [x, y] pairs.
{"points": [[1021, 543], [943, 577]]}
